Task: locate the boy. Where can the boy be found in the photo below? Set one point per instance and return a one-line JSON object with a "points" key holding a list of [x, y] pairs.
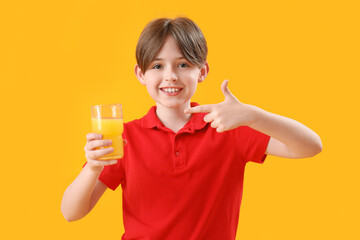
{"points": [[183, 166]]}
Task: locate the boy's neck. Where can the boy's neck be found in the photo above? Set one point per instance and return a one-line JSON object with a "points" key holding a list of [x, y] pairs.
{"points": [[173, 118]]}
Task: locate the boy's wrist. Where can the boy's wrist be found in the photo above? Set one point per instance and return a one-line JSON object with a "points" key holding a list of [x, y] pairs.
{"points": [[254, 113], [94, 169]]}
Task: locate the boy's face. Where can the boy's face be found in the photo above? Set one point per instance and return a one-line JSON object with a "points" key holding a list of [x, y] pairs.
{"points": [[171, 80]]}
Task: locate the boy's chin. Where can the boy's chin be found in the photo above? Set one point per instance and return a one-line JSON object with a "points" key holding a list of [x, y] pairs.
{"points": [[174, 105]]}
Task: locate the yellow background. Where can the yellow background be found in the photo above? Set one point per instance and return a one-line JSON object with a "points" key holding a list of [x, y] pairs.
{"points": [[299, 59]]}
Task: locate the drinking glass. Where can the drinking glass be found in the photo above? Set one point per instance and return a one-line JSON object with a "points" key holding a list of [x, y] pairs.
{"points": [[108, 120]]}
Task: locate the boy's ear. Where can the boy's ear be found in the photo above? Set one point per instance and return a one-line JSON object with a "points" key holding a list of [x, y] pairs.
{"points": [[204, 70], [139, 74]]}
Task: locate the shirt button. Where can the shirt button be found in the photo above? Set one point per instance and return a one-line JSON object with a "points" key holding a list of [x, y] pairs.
{"points": [[177, 154]]}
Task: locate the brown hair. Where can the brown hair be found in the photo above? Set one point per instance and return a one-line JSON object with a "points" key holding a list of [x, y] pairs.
{"points": [[186, 34]]}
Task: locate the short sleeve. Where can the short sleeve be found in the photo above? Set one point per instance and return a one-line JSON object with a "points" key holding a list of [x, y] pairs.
{"points": [[252, 144], [113, 175]]}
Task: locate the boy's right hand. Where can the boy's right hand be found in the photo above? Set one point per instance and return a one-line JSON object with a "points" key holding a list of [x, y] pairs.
{"points": [[94, 140]]}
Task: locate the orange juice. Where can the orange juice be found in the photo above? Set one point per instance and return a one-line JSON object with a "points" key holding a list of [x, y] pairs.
{"points": [[110, 128]]}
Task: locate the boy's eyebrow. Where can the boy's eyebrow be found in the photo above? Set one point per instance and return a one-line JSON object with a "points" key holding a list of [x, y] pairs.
{"points": [[163, 58]]}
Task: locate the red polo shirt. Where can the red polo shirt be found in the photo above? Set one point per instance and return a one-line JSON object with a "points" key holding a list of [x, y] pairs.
{"points": [[185, 185]]}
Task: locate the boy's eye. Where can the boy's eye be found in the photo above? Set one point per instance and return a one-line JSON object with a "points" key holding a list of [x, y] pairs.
{"points": [[157, 66], [183, 65]]}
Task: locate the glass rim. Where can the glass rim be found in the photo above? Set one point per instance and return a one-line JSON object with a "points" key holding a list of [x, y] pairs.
{"points": [[108, 104]]}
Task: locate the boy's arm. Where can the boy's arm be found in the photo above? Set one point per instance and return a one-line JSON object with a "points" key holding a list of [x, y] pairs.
{"points": [[85, 191], [289, 138], [82, 194]]}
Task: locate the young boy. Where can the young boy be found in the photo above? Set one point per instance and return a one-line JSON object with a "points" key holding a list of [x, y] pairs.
{"points": [[183, 165]]}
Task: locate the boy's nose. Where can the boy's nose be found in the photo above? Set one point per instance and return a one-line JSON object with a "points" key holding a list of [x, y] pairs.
{"points": [[170, 75]]}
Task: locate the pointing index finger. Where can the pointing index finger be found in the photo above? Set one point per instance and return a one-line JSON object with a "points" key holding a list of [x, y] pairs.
{"points": [[200, 109]]}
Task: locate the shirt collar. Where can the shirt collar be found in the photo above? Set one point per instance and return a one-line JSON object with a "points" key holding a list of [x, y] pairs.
{"points": [[196, 122]]}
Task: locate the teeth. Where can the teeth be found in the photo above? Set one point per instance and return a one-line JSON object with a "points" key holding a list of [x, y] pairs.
{"points": [[171, 90]]}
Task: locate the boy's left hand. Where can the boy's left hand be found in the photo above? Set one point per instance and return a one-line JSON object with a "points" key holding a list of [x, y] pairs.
{"points": [[227, 115]]}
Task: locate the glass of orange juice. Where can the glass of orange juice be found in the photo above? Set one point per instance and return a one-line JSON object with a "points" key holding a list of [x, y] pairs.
{"points": [[108, 120]]}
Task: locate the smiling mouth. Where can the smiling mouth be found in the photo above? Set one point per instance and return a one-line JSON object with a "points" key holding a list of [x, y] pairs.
{"points": [[171, 90]]}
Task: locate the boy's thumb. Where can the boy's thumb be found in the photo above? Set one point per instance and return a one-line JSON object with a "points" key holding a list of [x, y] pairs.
{"points": [[225, 89]]}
